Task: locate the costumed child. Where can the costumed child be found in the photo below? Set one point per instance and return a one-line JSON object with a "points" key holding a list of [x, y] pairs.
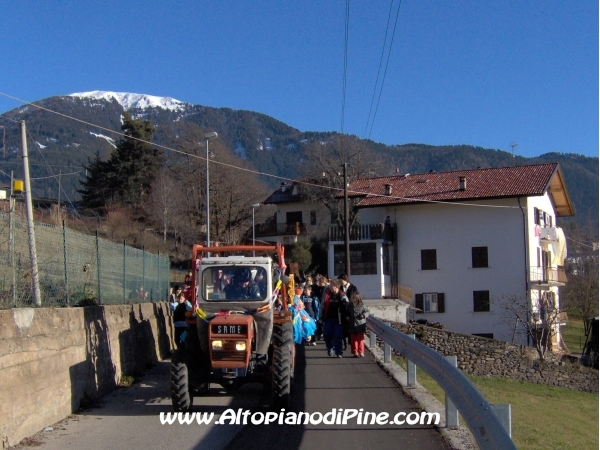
{"points": [[304, 325], [311, 305]]}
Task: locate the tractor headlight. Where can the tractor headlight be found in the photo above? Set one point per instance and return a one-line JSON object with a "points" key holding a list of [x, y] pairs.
{"points": [[217, 345], [240, 345]]}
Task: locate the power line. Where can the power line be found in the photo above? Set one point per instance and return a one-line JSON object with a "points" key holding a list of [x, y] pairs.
{"points": [[244, 169], [379, 69], [345, 63], [386, 67]]}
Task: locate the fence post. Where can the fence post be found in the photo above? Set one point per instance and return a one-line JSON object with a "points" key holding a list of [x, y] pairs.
{"points": [[98, 267], [411, 369], [144, 290], [65, 258], [124, 269], [451, 411]]}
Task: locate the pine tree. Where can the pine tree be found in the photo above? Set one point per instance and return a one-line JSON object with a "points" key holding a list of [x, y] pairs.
{"points": [[128, 174]]}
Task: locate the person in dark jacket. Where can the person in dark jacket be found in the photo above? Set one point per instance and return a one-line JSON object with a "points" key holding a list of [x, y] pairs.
{"points": [[333, 311], [242, 287], [179, 319], [348, 289], [357, 315]]}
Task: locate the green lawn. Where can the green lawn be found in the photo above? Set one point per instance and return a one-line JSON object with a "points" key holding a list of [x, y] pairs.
{"points": [[573, 334], [543, 417]]}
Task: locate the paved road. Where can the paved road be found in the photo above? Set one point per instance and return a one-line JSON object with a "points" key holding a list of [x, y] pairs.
{"points": [[129, 418]]}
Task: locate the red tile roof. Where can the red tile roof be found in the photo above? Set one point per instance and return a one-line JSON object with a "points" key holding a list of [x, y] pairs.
{"points": [[445, 186]]}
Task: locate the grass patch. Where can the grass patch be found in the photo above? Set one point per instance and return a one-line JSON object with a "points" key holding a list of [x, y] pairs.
{"points": [[126, 381], [543, 417], [573, 334]]}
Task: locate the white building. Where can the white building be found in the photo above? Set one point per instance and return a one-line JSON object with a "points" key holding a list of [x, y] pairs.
{"points": [[297, 218], [460, 243]]}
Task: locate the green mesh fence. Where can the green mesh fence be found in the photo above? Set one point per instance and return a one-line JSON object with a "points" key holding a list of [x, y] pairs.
{"points": [[75, 268]]}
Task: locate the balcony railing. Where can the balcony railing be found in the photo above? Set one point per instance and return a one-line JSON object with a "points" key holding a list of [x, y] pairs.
{"points": [[364, 232], [281, 229], [552, 276]]}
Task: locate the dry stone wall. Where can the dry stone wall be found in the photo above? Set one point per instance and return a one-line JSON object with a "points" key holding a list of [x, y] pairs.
{"points": [[498, 359]]}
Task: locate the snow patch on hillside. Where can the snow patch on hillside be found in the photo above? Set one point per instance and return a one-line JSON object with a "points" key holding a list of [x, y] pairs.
{"points": [[111, 141], [133, 101]]}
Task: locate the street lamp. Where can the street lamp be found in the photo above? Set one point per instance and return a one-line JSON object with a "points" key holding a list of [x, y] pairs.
{"points": [[254, 206], [208, 136]]}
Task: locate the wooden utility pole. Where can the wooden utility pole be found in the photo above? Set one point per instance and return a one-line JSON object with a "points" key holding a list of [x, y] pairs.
{"points": [[346, 221], [37, 298]]}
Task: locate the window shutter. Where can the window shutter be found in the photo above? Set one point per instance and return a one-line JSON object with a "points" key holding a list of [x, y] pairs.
{"points": [[419, 303], [536, 216], [441, 303]]}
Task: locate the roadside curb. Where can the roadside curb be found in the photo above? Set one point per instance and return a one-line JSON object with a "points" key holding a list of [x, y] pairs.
{"points": [[460, 439]]}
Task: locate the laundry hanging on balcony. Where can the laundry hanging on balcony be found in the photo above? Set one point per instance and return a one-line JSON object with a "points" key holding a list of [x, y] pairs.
{"points": [[559, 248]]}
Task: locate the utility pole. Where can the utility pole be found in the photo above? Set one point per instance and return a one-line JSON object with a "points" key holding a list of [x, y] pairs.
{"points": [[346, 221], [11, 239], [59, 175], [37, 298]]}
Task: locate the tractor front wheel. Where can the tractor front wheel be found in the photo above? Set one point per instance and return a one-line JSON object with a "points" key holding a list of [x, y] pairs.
{"points": [[180, 386], [281, 376]]}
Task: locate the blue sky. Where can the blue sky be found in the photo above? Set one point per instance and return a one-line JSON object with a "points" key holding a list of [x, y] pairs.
{"points": [[485, 73]]}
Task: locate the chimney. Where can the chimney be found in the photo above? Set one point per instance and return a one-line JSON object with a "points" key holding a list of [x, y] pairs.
{"points": [[462, 183], [388, 189]]}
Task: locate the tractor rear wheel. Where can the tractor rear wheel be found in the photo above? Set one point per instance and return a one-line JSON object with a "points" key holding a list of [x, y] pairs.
{"points": [[281, 369], [180, 386]]}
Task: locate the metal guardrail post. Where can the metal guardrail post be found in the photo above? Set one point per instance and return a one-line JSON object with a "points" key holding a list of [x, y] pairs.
{"points": [[477, 412], [64, 227], [451, 411], [411, 369], [372, 339], [504, 413], [387, 352]]}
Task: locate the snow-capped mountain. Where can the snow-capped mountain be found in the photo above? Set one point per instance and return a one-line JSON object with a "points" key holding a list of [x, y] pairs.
{"points": [[131, 101]]}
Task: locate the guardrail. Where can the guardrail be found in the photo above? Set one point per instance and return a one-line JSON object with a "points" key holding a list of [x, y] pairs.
{"points": [[479, 416]]}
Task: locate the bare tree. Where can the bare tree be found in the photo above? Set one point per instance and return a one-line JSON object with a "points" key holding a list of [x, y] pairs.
{"points": [[540, 319], [580, 295], [164, 203], [234, 187], [323, 169]]}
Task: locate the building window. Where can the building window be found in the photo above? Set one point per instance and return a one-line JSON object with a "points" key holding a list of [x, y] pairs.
{"points": [[293, 217], [481, 301], [430, 302], [485, 335], [363, 259], [479, 257], [428, 259], [313, 217]]}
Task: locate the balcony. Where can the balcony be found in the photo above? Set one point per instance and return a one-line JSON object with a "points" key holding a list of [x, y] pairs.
{"points": [[280, 229], [549, 234], [544, 277], [366, 232]]}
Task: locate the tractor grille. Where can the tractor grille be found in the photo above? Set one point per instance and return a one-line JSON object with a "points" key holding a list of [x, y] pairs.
{"points": [[229, 353]]}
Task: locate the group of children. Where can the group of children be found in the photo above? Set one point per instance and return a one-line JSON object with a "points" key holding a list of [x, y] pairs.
{"points": [[310, 313]]}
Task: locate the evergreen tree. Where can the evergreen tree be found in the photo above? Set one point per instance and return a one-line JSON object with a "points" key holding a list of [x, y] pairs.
{"points": [[97, 191], [130, 171]]}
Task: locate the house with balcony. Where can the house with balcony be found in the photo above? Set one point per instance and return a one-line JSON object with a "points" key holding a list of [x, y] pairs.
{"points": [[461, 244], [297, 219]]}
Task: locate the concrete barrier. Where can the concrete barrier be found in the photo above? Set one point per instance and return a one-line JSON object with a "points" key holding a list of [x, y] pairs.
{"points": [[52, 360]]}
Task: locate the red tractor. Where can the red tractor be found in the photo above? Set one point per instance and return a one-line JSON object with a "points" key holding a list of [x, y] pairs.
{"points": [[239, 328]]}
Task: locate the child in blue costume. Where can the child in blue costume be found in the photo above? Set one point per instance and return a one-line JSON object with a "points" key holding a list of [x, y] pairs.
{"points": [[304, 325]]}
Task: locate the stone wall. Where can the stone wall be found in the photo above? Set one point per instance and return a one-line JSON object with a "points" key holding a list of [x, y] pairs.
{"points": [[52, 360], [488, 357]]}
